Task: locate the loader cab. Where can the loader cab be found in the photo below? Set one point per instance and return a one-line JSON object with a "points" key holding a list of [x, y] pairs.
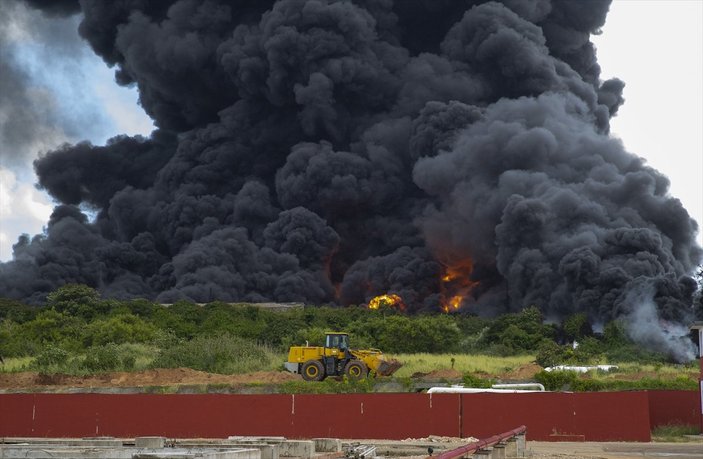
{"points": [[337, 341]]}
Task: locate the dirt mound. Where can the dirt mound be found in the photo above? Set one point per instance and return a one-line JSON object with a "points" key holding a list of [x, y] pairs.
{"points": [[146, 378], [447, 374], [523, 372]]}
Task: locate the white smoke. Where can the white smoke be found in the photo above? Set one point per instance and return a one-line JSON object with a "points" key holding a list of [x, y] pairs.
{"points": [[644, 326]]}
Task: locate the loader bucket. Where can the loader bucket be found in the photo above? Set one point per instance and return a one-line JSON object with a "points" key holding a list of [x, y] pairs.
{"points": [[388, 367]]}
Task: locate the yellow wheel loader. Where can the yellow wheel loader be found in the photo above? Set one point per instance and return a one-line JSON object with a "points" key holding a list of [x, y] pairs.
{"points": [[335, 358]]}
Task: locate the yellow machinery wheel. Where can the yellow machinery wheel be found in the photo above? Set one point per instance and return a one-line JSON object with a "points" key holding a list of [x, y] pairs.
{"points": [[356, 369], [313, 371]]}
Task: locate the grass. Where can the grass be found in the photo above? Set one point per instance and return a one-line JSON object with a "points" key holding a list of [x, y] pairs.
{"points": [[674, 432], [661, 370], [140, 357], [15, 364], [463, 363], [224, 354]]}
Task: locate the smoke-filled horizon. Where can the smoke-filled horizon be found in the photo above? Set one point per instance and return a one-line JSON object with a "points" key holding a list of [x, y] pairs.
{"points": [[454, 153]]}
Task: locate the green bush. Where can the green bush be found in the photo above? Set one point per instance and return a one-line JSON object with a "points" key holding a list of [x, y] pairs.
{"points": [[589, 385], [570, 380], [556, 380], [577, 327], [16, 311], [102, 358], [129, 362], [516, 333], [328, 386], [224, 354], [588, 351], [77, 300], [470, 380], [123, 328], [550, 354], [404, 334], [53, 327], [183, 318], [51, 356], [674, 432], [14, 342]]}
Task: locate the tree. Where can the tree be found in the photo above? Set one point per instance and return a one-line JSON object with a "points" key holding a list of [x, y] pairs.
{"points": [[577, 327], [77, 300], [518, 332]]}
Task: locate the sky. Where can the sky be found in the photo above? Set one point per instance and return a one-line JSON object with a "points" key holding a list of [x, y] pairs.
{"points": [[656, 47]]}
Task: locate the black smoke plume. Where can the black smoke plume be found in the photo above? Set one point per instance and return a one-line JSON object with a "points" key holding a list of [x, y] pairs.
{"points": [[331, 151]]}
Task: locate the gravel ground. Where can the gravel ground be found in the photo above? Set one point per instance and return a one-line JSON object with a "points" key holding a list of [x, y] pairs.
{"points": [[614, 450]]}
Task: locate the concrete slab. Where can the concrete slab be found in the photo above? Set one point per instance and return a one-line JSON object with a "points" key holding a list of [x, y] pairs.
{"points": [[192, 454], [264, 439], [498, 451], [150, 442], [327, 445], [483, 454], [53, 452], [105, 442], [268, 451], [297, 448]]}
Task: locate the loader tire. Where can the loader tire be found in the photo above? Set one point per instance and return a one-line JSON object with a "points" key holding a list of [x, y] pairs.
{"points": [[356, 369], [313, 371]]}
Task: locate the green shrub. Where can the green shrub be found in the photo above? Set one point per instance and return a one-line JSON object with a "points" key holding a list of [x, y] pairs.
{"points": [[14, 342], [521, 332], [550, 354], [674, 432], [577, 327], [224, 354], [405, 334], [77, 300], [53, 327], [589, 385], [129, 362], [588, 351], [556, 380], [123, 328], [328, 386], [470, 380], [51, 356], [102, 358], [16, 311]]}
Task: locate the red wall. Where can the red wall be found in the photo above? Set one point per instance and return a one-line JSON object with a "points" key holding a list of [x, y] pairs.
{"points": [[596, 416], [392, 416], [548, 416], [674, 407]]}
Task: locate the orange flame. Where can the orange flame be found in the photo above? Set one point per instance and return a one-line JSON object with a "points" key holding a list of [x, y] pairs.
{"points": [[456, 285], [391, 300]]}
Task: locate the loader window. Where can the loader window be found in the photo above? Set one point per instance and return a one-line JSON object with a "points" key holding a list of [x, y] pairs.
{"points": [[337, 341]]}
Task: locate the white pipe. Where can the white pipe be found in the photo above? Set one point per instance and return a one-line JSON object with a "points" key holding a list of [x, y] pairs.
{"points": [[473, 390], [519, 385], [582, 369]]}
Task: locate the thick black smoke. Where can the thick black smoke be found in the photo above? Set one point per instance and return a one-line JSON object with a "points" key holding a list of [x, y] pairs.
{"points": [[330, 151]]}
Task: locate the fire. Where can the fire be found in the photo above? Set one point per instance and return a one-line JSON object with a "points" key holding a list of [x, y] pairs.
{"points": [[391, 300], [456, 285], [453, 303]]}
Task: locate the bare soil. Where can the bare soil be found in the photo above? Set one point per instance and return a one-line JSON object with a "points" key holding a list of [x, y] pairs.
{"points": [[160, 377], [448, 374], [33, 381]]}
